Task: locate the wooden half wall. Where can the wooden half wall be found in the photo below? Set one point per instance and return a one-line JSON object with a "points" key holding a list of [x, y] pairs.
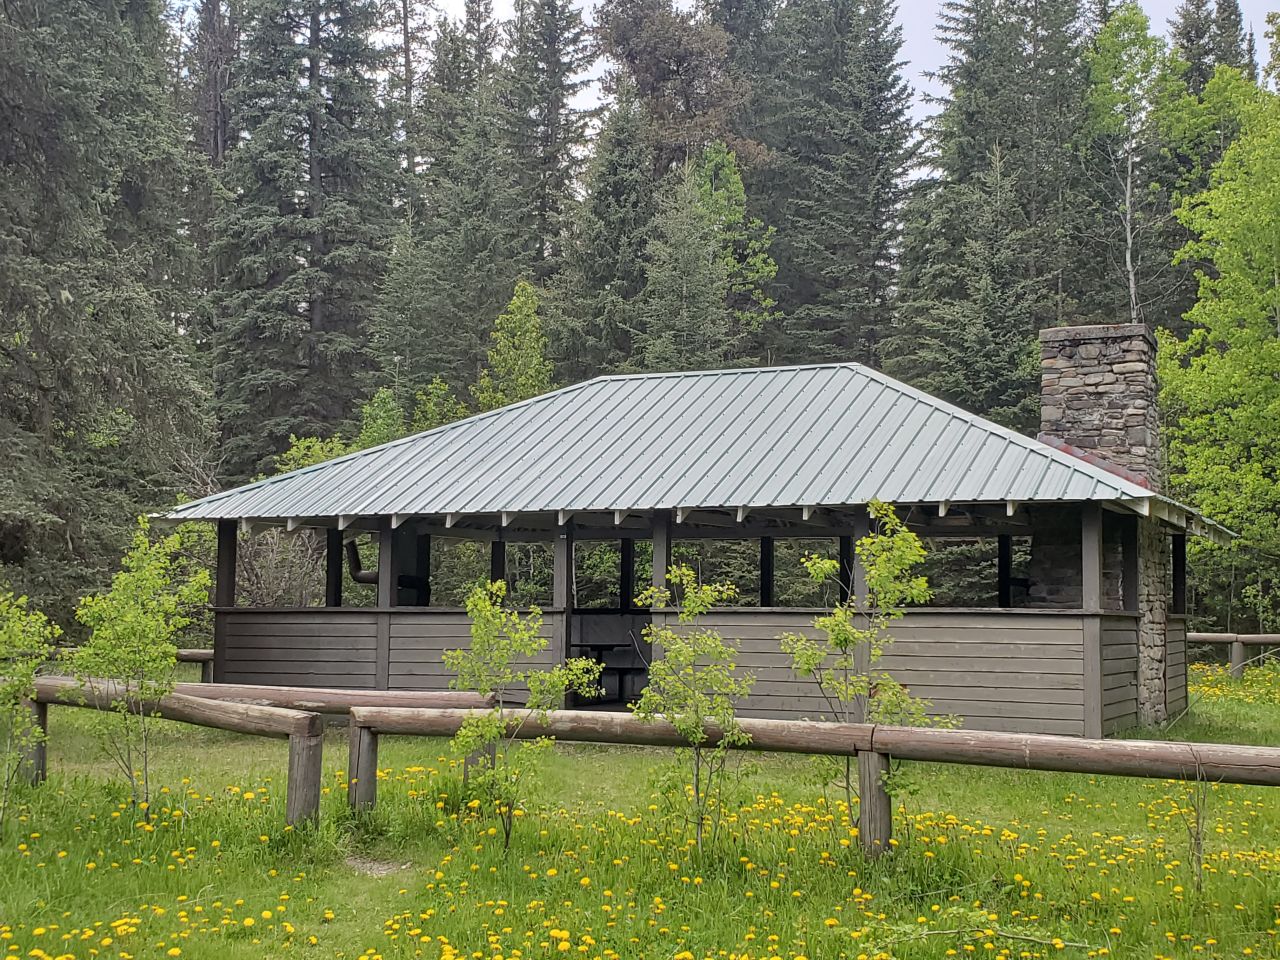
{"points": [[1020, 671], [1028, 671], [346, 647]]}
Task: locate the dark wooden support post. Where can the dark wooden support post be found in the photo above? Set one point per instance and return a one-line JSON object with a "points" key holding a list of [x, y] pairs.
{"points": [[424, 569], [1178, 599], [844, 551], [626, 573], [1004, 570], [562, 586], [333, 562], [362, 768], [1091, 602], [388, 588], [498, 561], [661, 547], [224, 592], [35, 758], [766, 571], [306, 770], [1129, 563]]}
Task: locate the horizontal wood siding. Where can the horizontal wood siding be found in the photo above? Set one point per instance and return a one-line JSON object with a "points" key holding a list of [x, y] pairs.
{"points": [[420, 638], [299, 648], [1001, 671], [1175, 667], [348, 647], [1119, 673]]}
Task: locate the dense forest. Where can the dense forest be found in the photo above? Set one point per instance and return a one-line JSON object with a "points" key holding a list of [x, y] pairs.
{"points": [[238, 236]]}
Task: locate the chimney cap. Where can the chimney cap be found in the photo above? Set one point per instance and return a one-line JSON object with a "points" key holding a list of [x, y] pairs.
{"points": [[1098, 331]]}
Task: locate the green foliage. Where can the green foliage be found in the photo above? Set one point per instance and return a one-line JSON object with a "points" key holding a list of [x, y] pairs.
{"points": [[27, 638], [704, 302], [503, 643], [381, 421], [856, 635], [303, 237], [131, 652], [973, 342], [517, 367], [694, 685], [435, 406], [1218, 381], [98, 396]]}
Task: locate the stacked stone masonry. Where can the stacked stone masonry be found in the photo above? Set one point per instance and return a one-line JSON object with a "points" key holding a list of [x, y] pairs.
{"points": [[1098, 392]]}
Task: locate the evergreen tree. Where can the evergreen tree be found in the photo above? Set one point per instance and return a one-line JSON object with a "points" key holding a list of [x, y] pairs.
{"points": [[550, 54], [412, 39], [834, 111], [302, 240], [679, 64], [1230, 48], [703, 304], [1193, 35], [974, 343], [517, 367], [1015, 88], [97, 402], [591, 315], [682, 323], [451, 265]]}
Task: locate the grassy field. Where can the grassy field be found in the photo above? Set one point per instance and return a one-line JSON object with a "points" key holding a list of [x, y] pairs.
{"points": [[989, 863]]}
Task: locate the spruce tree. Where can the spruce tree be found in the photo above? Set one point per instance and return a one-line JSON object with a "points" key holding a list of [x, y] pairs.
{"points": [[591, 308], [544, 73], [974, 344], [681, 319], [834, 111], [98, 404], [302, 241], [1227, 37], [453, 265], [1193, 34], [704, 303]]}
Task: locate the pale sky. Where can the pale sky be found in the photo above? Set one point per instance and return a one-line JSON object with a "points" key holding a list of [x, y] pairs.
{"points": [[921, 50]]}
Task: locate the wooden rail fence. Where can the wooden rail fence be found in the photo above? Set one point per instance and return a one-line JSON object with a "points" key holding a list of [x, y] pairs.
{"points": [[292, 713], [1238, 643], [874, 745]]}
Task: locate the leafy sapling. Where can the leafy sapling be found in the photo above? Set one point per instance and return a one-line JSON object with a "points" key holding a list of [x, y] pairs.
{"points": [[131, 654], [855, 634], [503, 642], [27, 637], [695, 686]]}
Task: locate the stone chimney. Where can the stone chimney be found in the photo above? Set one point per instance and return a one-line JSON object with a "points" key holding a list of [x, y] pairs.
{"points": [[1098, 402], [1098, 394]]}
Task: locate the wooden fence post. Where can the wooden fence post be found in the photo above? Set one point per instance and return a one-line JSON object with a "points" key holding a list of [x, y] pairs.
{"points": [[362, 768], [875, 816], [306, 769], [1238, 658], [206, 671], [35, 760]]}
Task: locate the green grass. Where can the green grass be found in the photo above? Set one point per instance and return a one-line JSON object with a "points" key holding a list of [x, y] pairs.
{"points": [[989, 863]]}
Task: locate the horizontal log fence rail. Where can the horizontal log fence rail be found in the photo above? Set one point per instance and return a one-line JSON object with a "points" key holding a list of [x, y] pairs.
{"points": [[874, 745], [304, 730], [1238, 642], [291, 713]]}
